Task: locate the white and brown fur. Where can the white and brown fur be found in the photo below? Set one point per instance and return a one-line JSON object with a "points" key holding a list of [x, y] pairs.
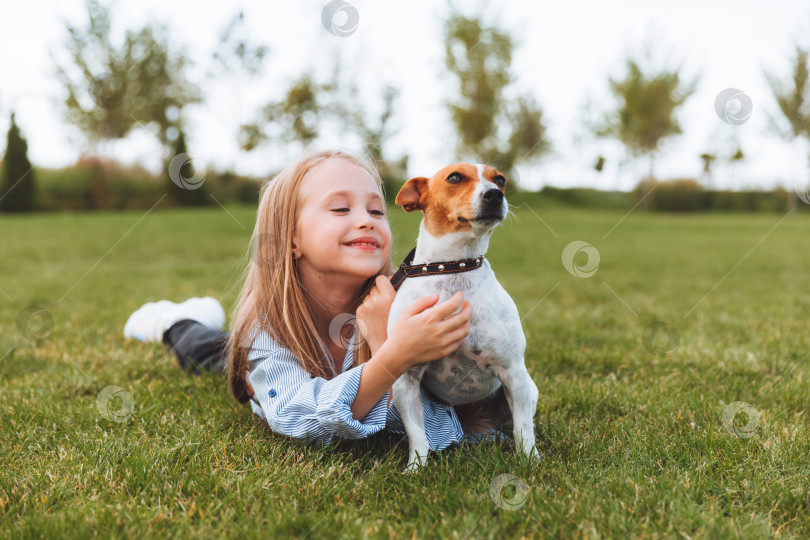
{"points": [[491, 356]]}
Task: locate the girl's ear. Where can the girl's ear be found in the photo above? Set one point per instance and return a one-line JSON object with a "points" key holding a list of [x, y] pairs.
{"points": [[295, 237], [410, 196]]}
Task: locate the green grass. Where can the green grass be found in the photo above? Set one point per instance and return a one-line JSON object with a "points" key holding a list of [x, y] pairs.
{"points": [[634, 442]]}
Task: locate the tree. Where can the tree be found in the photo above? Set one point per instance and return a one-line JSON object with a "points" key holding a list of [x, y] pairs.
{"points": [[708, 160], [17, 194], [187, 186], [300, 115], [480, 56], [734, 159], [645, 115], [119, 88], [234, 53], [296, 116], [374, 136], [794, 103], [236, 56], [347, 106]]}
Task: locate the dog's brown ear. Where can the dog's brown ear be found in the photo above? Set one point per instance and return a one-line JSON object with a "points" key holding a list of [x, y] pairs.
{"points": [[410, 196]]}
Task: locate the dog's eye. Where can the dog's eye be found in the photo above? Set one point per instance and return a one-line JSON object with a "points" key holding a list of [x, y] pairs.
{"points": [[499, 180], [455, 178]]}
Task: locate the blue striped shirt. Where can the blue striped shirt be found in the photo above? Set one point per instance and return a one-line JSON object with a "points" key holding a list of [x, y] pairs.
{"points": [[296, 404]]}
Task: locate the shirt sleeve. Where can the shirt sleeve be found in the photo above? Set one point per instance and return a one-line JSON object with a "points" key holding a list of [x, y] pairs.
{"points": [[296, 404]]}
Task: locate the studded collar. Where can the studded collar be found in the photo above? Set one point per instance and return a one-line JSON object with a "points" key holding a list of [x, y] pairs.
{"points": [[406, 269]]}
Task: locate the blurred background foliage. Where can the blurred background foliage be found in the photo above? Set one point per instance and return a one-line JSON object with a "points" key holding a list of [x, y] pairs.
{"points": [[142, 83]]}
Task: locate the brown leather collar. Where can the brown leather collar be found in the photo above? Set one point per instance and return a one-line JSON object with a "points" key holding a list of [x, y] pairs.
{"points": [[407, 270]]}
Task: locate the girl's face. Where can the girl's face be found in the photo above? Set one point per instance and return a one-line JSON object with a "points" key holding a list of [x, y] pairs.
{"points": [[341, 202]]}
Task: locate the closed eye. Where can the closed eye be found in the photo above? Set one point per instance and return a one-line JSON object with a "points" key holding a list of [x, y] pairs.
{"points": [[378, 212]]}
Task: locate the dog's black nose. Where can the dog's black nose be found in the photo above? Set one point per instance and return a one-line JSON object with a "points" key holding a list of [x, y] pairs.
{"points": [[493, 195]]}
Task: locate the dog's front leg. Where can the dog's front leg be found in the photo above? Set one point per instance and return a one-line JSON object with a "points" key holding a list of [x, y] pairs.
{"points": [[408, 401], [521, 394]]}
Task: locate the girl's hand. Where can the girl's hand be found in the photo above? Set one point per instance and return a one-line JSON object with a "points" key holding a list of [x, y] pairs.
{"points": [[372, 314], [424, 333]]}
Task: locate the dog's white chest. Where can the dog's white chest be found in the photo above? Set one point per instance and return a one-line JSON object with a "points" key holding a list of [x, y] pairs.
{"points": [[494, 343]]}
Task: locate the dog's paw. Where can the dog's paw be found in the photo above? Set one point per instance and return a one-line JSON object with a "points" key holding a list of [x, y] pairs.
{"points": [[412, 469], [414, 465], [534, 456]]}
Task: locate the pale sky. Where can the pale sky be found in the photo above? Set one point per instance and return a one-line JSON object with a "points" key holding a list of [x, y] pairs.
{"points": [[565, 53]]}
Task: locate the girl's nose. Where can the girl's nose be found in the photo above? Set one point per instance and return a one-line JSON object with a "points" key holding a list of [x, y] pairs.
{"points": [[366, 221]]}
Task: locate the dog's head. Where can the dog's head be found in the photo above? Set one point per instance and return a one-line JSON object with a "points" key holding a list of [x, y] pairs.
{"points": [[460, 197]]}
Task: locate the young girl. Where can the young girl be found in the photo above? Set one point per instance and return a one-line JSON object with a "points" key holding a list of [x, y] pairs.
{"points": [[288, 354]]}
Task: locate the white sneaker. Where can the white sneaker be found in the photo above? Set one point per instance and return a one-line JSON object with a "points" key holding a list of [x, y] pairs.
{"points": [[148, 322]]}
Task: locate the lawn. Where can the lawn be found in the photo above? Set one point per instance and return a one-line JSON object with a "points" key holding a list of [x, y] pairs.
{"points": [[673, 389]]}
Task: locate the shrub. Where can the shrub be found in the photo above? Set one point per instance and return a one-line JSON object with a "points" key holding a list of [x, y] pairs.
{"points": [[679, 195], [94, 183]]}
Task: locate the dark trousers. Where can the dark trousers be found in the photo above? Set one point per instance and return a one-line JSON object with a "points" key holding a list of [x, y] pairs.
{"points": [[197, 347]]}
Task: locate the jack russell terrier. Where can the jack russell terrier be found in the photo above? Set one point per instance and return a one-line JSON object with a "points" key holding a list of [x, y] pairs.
{"points": [[462, 205]]}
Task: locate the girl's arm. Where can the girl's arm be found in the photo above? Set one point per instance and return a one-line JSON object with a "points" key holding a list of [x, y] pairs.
{"points": [[384, 367], [298, 405]]}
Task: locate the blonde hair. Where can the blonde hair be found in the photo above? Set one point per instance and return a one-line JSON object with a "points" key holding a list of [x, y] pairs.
{"points": [[272, 297]]}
